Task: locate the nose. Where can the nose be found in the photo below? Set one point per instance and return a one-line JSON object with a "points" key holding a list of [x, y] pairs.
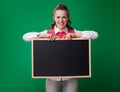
{"points": [[61, 19]]}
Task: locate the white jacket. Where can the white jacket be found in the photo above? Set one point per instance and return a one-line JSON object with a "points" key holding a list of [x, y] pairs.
{"points": [[85, 34]]}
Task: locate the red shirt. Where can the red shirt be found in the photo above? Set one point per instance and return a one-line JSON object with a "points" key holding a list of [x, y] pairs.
{"points": [[60, 34]]}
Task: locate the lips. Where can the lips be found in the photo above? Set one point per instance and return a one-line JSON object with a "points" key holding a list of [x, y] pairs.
{"points": [[61, 24]]}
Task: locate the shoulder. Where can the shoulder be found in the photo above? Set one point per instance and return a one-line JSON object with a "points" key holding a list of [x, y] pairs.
{"points": [[71, 31], [51, 31]]}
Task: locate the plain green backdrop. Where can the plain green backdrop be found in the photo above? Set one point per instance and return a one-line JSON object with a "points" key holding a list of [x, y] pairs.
{"points": [[20, 16]]}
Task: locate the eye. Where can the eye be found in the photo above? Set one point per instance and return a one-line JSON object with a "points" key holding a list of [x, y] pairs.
{"points": [[58, 17], [64, 17]]}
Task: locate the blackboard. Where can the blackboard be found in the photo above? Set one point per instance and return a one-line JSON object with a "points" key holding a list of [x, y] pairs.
{"points": [[61, 58]]}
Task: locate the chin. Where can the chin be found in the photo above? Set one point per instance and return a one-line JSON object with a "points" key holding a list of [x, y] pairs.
{"points": [[62, 27]]}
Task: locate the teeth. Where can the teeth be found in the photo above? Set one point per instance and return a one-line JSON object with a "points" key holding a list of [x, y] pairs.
{"points": [[61, 24]]}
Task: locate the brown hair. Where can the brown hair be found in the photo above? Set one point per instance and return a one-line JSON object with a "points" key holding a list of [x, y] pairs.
{"points": [[62, 7]]}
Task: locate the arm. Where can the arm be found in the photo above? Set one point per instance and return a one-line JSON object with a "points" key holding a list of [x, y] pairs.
{"points": [[87, 34], [31, 35]]}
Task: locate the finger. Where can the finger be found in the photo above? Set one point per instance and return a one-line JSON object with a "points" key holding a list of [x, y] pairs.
{"points": [[52, 37]]}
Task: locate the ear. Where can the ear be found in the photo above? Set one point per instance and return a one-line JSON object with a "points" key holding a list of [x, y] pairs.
{"points": [[68, 19]]}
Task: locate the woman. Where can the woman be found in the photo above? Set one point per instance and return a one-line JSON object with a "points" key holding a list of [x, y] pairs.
{"points": [[61, 29]]}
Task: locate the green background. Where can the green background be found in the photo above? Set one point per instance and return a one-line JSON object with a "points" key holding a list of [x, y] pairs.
{"points": [[20, 16]]}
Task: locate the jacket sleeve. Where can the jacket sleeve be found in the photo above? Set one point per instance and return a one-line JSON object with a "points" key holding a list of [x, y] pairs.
{"points": [[30, 35], [88, 34]]}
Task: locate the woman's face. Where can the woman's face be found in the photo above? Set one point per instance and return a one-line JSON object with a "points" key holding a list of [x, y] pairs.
{"points": [[61, 19]]}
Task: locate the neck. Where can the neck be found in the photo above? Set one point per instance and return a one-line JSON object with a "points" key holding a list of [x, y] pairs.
{"points": [[60, 29]]}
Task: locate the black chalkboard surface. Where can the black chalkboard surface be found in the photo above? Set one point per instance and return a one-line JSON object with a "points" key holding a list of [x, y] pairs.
{"points": [[61, 58]]}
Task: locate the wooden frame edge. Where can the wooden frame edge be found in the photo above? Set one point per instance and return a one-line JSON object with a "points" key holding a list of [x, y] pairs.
{"points": [[89, 76]]}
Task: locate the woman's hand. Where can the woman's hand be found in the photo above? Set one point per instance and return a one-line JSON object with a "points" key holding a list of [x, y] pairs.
{"points": [[50, 37], [69, 36]]}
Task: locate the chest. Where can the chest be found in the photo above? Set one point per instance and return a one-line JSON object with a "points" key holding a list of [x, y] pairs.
{"points": [[60, 34]]}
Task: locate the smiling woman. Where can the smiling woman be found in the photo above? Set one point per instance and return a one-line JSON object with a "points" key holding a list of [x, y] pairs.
{"points": [[61, 19], [61, 16], [61, 29]]}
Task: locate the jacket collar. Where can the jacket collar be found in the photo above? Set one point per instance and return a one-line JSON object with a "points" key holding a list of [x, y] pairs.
{"points": [[57, 30]]}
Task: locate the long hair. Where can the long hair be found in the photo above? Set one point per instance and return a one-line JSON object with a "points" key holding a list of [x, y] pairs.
{"points": [[62, 7]]}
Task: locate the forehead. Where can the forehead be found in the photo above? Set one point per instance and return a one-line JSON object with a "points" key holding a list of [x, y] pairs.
{"points": [[60, 13]]}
